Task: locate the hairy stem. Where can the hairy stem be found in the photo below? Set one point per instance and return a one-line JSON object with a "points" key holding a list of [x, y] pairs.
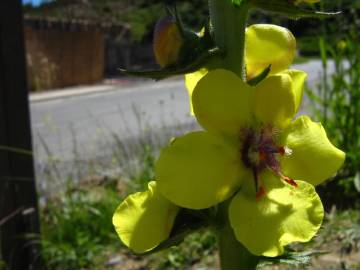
{"points": [[229, 23], [233, 255]]}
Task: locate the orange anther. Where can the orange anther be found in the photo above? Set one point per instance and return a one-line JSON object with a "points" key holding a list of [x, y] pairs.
{"points": [[281, 150], [290, 181], [260, 193], [262, 156]]}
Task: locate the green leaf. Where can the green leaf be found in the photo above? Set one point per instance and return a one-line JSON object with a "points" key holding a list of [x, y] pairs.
{"points": [[290, 10], [260, 77], [290, 258], [16, 150], [237, 3], [323, 51], [175, 70], [357, 181]]}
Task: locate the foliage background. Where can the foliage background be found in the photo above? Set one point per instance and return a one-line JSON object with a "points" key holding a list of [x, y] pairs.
{"points": [[141, 15]]}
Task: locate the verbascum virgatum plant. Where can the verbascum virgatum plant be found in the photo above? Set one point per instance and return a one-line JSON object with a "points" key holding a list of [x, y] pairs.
{"points": [[250, 175]]}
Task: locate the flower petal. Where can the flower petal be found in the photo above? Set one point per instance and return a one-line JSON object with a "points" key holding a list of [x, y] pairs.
{"points": [[284, 215], [144, 219], [191, 80], [298, 78], [198, 170], [313, 157], [275, 100], [222, 102], [267, 44]]}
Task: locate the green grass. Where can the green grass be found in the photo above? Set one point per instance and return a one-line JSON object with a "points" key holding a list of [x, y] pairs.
{"points": [[76, 228], [78, 234], [198, 250]]}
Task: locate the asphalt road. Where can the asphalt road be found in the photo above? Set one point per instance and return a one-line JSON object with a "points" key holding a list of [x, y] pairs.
{"points": [[127, 112], [79, 126]]}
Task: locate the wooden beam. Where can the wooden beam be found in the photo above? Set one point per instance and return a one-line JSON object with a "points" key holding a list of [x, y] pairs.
{"points": [[18, 200]]}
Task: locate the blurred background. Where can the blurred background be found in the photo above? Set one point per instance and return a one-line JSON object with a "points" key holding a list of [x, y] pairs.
{"points": [[96, 133]]}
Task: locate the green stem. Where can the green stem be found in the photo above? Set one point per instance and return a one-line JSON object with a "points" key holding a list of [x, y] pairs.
{"points": [[229, 23], [233, 255]]}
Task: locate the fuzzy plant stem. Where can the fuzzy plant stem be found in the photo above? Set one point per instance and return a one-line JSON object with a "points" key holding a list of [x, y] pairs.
{"points": [[228, 24], [233, 255]]}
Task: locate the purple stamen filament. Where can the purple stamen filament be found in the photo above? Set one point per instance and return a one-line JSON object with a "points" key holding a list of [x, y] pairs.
{"points": [[259, 151]]}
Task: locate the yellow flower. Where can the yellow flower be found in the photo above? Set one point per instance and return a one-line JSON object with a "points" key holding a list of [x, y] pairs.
{"points": [[144, 219], [265, 44], [253, 151]]}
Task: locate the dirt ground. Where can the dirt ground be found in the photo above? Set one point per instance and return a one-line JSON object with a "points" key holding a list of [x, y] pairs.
{"points": [[331, 261]]}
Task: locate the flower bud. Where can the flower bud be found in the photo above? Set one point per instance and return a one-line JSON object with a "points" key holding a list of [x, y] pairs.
{"points": [[341, 45], [167, 42]]}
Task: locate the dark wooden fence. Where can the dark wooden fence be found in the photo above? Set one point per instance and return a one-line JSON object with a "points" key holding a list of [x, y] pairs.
{"points": [[19, 228], [59, 58]]}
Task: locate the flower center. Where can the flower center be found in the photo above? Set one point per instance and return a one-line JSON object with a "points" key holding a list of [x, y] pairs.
{"points": [[260, 151]]}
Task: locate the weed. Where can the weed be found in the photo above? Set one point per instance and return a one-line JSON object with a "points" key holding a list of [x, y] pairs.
{"points": [[77, 229], [198, 249], [337, 104], [2, 265]]}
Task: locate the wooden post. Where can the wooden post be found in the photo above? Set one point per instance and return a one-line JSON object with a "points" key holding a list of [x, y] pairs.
{"points": [[18, 201]]}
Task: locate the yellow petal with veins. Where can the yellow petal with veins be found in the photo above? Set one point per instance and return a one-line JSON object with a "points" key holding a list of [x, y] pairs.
{"points": [[222, 102], [144, 219], [275, 101], [298, 78], [198, 170], [313, 157], [191, 80], [284, 215], [267, 44]]}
